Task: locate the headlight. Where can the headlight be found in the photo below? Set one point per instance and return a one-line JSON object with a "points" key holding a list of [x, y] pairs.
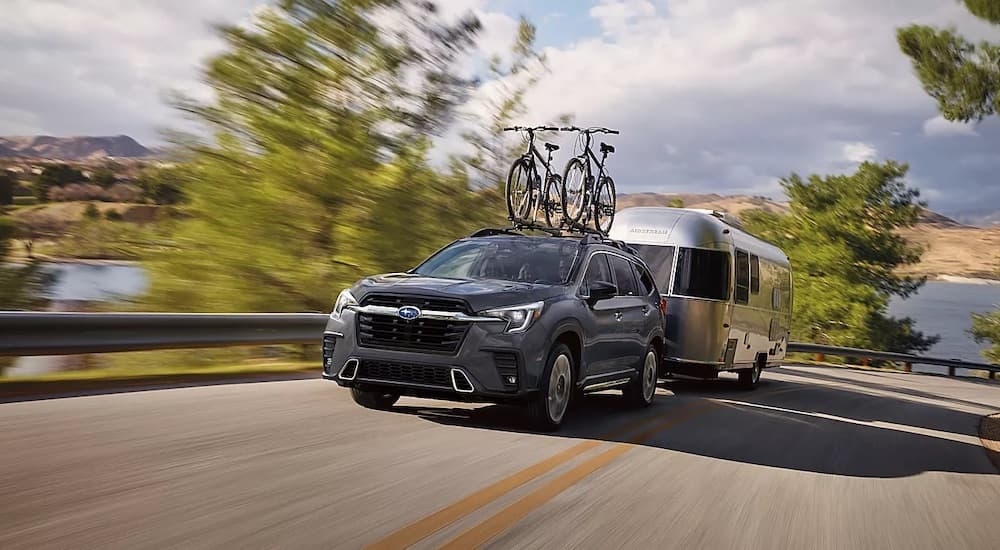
{"points": [[343, 300], [518, 318]]}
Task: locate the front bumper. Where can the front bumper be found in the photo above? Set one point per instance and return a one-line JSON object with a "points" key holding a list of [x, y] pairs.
{"points": [[489, 365]]}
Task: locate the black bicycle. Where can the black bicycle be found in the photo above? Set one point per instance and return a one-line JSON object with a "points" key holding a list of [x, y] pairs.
{"points": [[583, 196], [524, 185]]}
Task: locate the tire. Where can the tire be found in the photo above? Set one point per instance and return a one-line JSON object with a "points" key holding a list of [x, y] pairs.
{"points": [[575, 186], [380, 401], [604, 205], [518, 191], [544, 412], [749, 378], [641, 391], [552, 202]]}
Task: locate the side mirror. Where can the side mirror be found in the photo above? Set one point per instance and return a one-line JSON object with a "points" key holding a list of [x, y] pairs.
{"points": [[601, 290]]}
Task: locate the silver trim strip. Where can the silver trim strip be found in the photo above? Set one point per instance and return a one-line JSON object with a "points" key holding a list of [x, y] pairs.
{"points": [[354, 372], [427, 314], [607, 374], [606, 385], [454, 382]]}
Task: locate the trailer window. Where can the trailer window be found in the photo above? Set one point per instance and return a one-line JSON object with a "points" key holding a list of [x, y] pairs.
{"points": [[702, 274], [742, 277], [660, 260], [754, 274]]}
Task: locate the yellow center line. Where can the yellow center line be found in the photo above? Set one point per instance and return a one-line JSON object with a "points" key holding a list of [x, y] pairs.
{"points": [[502, 520], [429, 525]]}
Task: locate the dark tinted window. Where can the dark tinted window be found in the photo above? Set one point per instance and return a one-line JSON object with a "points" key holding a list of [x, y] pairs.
{"points": [[754, 274], [660, 260], [702, 274], [527, 259], [742, 277], [624, 276], [598, 270], [646, 284]]}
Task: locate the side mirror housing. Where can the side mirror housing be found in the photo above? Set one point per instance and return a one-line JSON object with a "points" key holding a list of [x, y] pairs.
{"points": [[601, 290]]}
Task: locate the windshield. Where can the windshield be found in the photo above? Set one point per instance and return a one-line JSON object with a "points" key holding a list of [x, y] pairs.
{"points": [[522, 259]]}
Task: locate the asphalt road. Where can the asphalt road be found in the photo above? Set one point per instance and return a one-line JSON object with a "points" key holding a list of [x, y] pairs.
{"points": [[815, 458]]}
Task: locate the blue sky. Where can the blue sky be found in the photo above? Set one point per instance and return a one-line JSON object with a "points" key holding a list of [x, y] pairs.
{"points": [[719, 96]]}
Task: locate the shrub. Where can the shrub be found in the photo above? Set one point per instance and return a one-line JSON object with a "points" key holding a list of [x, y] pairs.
{"points": [[113, 215], [91, 212], [123, 192]]}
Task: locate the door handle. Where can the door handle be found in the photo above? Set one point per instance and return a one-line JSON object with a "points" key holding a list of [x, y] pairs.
{"points": [[645, 310], [618, 316]]}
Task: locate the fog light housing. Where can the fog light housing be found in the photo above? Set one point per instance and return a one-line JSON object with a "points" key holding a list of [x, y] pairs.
{"points": [[511, 380]]}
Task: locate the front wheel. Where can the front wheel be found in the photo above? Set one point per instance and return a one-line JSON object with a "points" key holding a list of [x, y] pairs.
{"points": [[574, 189], [519, 196], [604, 205], [749, 378], [548, 406]]}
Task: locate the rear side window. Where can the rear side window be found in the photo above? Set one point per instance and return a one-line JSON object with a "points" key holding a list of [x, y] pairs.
{"points": [[754, 274], [627, 285], [702, 274], [646, 284]]}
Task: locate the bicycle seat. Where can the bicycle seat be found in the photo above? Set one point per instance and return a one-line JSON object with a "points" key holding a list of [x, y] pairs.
{"points": [[605, 148], [551, 147]]}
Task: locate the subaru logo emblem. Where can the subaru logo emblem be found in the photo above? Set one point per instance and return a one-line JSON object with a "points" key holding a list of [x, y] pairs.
{"points": [[408, 313]]}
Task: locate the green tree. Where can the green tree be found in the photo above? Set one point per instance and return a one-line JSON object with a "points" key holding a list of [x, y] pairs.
{"points": [[676, 202], [105, 176], [7, 184], [163, 185], [963, 77], [840, 235], [318, 172], [56, 175], [22, 286]]}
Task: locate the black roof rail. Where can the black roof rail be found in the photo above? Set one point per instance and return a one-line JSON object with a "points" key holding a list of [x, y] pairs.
{"points": [[491, 231]]}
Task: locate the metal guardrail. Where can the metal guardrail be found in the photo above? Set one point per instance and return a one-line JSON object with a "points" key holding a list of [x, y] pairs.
{"points": [[43, 333], [68, 333], [907, 359]]}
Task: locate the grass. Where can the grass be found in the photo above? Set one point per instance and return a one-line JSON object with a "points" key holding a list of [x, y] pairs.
{"points": [[169, 370]]}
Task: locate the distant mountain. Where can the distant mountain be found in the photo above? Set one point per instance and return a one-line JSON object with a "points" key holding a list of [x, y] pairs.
{"points": [[77, 148]]}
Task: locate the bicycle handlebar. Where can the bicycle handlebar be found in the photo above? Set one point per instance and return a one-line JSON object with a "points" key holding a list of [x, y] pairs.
{"points": [[593, 130], [529, 128]]}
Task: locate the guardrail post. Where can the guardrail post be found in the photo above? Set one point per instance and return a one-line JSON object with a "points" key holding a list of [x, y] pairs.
{"points": [[951, 371], [820, 358], [907, 367], [864, 361]]}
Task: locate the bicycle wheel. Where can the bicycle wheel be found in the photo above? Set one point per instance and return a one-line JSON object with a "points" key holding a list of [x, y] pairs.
{"points": [[552, 201], [604, 205], [574, 186], [519, 196]]}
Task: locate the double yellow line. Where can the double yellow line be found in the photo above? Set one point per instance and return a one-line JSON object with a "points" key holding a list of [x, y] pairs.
{"points": [[513, 513]]}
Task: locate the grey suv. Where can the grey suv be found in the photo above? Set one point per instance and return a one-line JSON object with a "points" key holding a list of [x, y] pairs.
{"points": [[502, 317]]}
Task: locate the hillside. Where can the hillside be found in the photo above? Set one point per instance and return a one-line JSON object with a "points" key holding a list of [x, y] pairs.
{"points": [[71, 149], [952, 249]]}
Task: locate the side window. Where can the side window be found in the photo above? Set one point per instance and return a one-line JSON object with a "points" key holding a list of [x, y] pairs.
{"points": [[624, 276], [742, 277], [776, 299], [646, 284], [754, 274], [598, 270]]}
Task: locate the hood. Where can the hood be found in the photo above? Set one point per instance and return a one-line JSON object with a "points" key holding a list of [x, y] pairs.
{"points": [[480, 294]]}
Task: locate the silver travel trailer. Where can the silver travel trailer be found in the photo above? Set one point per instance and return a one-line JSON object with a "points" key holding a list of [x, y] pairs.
{"points": [[728, 293]]}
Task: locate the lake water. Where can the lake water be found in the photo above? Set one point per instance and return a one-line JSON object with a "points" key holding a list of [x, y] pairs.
{"points": [[938, 308]]}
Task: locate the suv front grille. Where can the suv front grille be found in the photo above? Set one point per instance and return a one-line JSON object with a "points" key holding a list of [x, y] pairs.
{"points": [[427, 335], [434, 304], [426, 375]]}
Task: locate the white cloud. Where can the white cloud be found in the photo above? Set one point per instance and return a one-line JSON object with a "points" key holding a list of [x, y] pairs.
{"points": [[941, 127], [859, 152]]}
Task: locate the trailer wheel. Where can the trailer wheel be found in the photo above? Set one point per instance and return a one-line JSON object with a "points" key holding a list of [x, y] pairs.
{"points": [[749, 378]]}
